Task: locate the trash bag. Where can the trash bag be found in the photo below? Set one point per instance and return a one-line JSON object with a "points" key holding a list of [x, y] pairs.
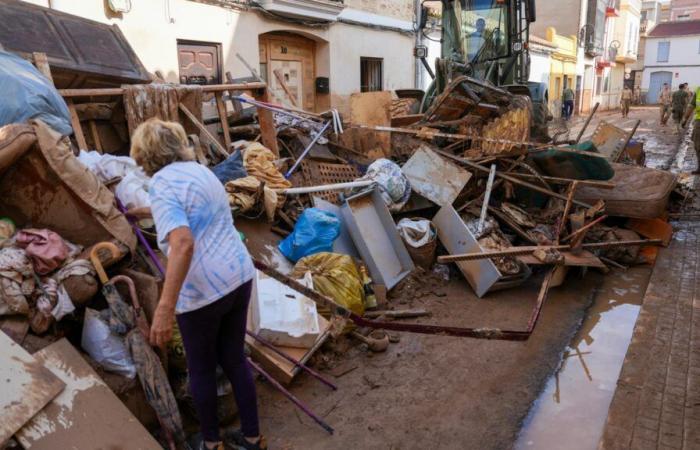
{"points": [[230, 169], [336, 276], [314, 232], [27, 94], [104, 346], [416, 232], [393, 184]]}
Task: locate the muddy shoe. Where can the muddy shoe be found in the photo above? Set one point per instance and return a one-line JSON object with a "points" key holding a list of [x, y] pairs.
{"points": [[235, 440]]}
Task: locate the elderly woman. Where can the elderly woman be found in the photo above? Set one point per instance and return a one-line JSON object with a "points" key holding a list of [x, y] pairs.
{"points": [[208, 279]]}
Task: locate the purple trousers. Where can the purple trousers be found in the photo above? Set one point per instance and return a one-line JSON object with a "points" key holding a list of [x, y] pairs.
{"points": [[215, 335]]}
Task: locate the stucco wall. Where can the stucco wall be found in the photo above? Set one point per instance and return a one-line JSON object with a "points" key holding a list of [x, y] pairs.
{"points": [[564, 15], [400, 9], [152, 29]]}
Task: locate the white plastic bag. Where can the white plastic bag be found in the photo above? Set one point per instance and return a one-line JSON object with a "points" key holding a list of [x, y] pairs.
{"points": [[105, 347], [415, 233]]}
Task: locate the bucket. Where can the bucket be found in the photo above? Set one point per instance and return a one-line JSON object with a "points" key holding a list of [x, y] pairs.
{"points": [[423, 256]]}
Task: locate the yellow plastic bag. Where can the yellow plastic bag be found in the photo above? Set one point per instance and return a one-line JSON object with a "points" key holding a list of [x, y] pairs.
{"points": [[336, 276]]}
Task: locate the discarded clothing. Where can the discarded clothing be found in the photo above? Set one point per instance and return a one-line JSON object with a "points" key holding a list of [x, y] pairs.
{"points": [[230, 169], [244, 193], [259, 162], [45, 248], [416, 232], [132, 190], [16, 281]]}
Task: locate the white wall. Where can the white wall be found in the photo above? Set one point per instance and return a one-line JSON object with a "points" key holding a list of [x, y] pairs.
{"points": [[540, 67], [683, 60], [152, 28]]}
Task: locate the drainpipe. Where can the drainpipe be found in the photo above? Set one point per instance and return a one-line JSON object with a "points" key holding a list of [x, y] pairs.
{"points": [[419, 41]]}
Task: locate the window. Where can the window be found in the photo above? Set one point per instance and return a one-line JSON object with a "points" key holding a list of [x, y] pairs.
{"points": [[371, 74], [606, 88], [598, 85], [663, 49], [483, 26]]}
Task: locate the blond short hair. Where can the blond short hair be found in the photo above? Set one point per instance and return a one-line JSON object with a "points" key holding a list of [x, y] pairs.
{"points": [[157, 143]]}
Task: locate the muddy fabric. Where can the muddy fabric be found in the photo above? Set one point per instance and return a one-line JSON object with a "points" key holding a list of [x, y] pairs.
{"points": [[46, 249], [50, 188], [244, 193], [15, 140], [259, 162], [145, 101], [16, 281]]}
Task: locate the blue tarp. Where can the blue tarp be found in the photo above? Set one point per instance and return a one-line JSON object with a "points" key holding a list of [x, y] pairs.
{"points": [[27, 94]]}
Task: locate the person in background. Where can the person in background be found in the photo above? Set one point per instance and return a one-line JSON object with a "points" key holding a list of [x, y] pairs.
{"points": [[638, 96], [664, 103], [626, 101], [567, 98], [693, 112], [476, 39], [208, 279], [679, 105]]}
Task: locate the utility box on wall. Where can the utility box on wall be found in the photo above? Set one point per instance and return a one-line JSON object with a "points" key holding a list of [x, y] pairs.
{"points": [[322, 85]]}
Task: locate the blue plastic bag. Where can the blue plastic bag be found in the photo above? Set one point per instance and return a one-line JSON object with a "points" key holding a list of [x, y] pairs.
{"points": [[27, 94], [313, 233]]}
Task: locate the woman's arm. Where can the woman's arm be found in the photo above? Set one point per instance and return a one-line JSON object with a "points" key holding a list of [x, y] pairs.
{"points": [[181, 245]]}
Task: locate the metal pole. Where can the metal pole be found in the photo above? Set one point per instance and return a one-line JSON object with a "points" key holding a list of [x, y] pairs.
{"points": [[292, 398], [487, 197], [588, 120], [307, 149]]}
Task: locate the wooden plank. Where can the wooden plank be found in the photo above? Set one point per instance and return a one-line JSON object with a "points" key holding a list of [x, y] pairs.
{"points": [[26, 387], [268, 132], [42, 63], [280, 80], [584, 259], [221, 108], [200, 126], [371, 110], [105, 92], [75, 123], [87, 414], [281, 369], [95, 135]]}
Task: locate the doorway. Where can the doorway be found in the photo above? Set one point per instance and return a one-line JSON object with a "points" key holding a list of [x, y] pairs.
{"points": [[287, 63], [656, 83], [199, 62]]}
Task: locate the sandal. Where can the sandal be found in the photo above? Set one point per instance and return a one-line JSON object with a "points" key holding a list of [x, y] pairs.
{"points": [[235, 440]]}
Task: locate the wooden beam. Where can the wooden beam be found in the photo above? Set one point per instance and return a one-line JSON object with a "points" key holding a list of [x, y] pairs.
{"points": [[100, 92], [268, 132], [95, 135], [75, 123], [221, 108], [200, 126], [42, 63], [280, 79]]}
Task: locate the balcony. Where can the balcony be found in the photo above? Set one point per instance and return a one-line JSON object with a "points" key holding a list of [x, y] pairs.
{"points": [[327, 10]]}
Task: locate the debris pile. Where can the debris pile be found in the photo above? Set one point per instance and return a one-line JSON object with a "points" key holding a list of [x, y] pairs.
{"points": [[350, 221]]}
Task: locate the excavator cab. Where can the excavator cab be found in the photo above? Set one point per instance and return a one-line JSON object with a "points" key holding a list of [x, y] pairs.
{"points": [[487, 40]]}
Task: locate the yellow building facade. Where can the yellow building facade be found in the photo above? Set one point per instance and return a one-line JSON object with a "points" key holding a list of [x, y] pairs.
{"points": [[563, 67]]}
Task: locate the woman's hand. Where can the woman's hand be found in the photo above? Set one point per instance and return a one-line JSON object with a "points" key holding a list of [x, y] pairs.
{"points": [[162, 326]]}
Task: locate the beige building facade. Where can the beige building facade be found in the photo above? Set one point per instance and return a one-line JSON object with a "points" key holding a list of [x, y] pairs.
{"points": [[345, 46]]}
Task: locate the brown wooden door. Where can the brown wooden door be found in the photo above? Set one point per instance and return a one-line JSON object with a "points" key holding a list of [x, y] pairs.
{"points": [[199, 63], [293, 57]]}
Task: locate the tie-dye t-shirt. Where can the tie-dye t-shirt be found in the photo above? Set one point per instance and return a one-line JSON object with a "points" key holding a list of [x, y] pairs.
{"points": [[187, 194]]}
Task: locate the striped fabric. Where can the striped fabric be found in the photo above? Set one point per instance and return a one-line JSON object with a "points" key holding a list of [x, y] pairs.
{"points": [[187, 194]]}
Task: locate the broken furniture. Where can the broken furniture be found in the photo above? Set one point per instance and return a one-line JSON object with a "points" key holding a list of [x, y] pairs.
{"points": [[86, 414], [27, 386], [483, 275], [435, 178], [639, 192], [373, 231], [281, 315]]}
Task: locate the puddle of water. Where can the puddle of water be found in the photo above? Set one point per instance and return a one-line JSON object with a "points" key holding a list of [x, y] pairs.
{"points": [[571, 411]]}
